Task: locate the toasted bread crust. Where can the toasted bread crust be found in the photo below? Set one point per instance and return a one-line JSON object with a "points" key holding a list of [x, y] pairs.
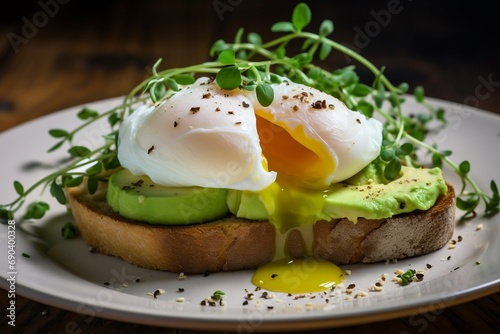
{"points": [[232, 243]]}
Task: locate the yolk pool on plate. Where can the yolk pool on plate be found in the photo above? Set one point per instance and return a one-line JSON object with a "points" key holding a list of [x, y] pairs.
{"points": [[302, 275]]}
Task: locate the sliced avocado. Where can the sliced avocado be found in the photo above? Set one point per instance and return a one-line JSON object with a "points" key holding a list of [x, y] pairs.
{"points": [[416, 189], [246, 204], [366, 195], [139, 198]]}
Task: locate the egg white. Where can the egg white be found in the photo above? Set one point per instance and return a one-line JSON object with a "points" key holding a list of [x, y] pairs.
{"points": [[337, 141], [202, 136], [209, 137]]}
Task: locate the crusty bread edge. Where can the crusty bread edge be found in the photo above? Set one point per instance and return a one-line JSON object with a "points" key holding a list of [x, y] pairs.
{"points": [[232, 243]]}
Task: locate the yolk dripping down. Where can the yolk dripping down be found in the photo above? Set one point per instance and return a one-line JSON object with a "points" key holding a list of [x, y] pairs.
{"points": [[295, 201]]}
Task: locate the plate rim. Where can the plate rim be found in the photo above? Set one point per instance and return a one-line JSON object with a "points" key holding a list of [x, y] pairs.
{"points": [[470, 294]]}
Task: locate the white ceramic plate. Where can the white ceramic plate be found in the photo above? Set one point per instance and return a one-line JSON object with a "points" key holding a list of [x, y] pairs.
{"points": [[63, 273]]}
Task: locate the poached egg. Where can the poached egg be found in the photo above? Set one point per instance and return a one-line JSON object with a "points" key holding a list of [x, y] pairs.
{"points": [[209, 137], [288, 153]]}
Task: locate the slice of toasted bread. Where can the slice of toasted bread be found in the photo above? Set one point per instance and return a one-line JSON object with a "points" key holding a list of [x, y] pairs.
{"points": [[232, 243]]}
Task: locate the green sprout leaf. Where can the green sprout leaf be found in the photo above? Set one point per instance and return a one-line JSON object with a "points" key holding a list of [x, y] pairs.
{"points": [[393, 169], [59, 133], [437, 160], [218, 294], [254, 38], [19, 188], [361, 90], [217, 47], [57, 192], [226, 57], [6, 214], [407, 276], [468, 203], [92, 184], [79, 151], [56, 146], [228, 78], [464, 167], [172, 84], [36, 210], [184, 79], [73, 182], [157, 90], [114, 119], [303, 58], [419, 94], [283, 27], [94, 169], [324, 50], [68, 231], [326, 28], [403, 87], [387, 155], [265, 94], [441, 115], [405, 149], [301, 16], [493, 205], [87, 113], [366, 108]]}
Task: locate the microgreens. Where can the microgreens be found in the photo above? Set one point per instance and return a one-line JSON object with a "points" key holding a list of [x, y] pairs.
{"points": [[407, 276], [254, 65]]}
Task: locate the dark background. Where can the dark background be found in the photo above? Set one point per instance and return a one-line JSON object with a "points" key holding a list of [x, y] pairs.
{"points": [[105, 47], [90, 50]]}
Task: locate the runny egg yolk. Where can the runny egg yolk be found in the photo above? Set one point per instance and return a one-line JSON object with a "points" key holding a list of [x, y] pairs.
{"points": [[300, 159], [304, 275], [295, 202]]}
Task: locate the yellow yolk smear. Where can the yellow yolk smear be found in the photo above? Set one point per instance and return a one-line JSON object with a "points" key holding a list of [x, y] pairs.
{"points": [[296, 276], [293, 205]]}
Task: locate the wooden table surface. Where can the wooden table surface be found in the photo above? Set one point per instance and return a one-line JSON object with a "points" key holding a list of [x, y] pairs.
{"points": [[56, 54]]}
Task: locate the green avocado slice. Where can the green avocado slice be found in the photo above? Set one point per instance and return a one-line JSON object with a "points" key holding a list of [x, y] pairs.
{"points": [[138, 197]]}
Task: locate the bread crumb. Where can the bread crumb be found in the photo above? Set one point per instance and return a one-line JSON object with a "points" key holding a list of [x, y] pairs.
{"points": [[479, 227], [347, 272], [399, 272], [180, 299], [360, 294], [157, 292], [181, 276], [376, 287], [267, 295], [396, 279]]}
